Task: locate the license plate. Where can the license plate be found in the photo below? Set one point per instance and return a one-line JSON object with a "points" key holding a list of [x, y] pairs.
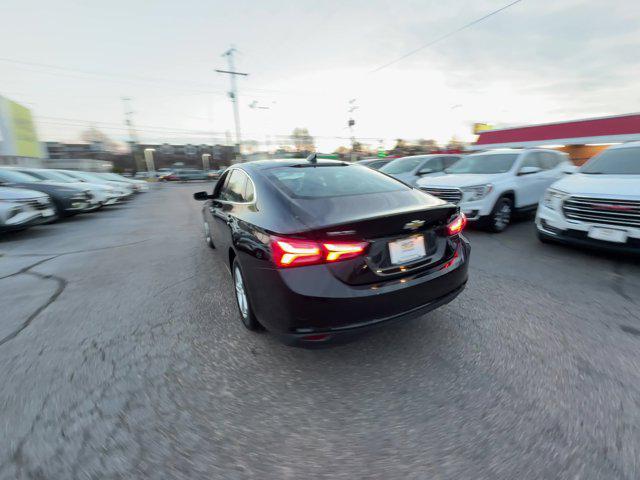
{"points": [[407, 249], [608, 234], [48, 212]]}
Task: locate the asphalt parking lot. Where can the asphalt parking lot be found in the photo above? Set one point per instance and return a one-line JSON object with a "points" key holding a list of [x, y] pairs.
{"points": [[123, 357]]}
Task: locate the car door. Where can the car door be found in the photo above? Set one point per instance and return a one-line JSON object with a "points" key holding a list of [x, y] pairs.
{"points": [[212, 206], [222, 208], [529, 186]]}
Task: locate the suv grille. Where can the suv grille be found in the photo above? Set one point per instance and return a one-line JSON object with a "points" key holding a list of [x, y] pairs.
{"points": [[452, 195], [36, 204], [602, 210]]}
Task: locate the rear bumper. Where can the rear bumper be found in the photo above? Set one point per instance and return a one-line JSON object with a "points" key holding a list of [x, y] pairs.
{"points": [[297, 302], [345, 334]]}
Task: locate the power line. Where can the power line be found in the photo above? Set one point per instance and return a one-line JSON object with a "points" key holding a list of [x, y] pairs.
{"points": [[196, 88], [447, 35]]}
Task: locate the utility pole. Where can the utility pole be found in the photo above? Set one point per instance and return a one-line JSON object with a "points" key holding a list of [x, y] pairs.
{"points": [[233, 94], [133, 137], [352, 108]]}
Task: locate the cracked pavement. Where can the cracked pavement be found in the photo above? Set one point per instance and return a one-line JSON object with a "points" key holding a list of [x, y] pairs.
{"points": [[123, 357]]}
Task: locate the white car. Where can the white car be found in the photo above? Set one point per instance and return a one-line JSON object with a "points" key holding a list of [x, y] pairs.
{"points": [[124, 190], [599, 205], [410, 169], [138, 185], [490, 186], [21, 208]]}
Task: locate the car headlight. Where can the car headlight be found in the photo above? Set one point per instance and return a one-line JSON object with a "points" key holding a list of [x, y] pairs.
{"points": [[476, 192], [553, 198]]}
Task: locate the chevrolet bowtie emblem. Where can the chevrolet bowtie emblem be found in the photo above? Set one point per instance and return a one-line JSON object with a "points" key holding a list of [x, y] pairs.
{"points": [[413, 225]]}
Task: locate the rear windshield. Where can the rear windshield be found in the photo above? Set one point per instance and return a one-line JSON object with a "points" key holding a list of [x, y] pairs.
{"points": [[616, 161], [331, 181], [402, 165]]}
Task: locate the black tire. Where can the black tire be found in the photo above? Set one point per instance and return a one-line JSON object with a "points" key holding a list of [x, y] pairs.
{"points": [[501, 215], [244, 306], [207, 236]]}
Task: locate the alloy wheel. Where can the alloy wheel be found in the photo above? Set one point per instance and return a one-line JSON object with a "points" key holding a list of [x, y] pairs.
{"points": [[241, 295], [502, 216]]}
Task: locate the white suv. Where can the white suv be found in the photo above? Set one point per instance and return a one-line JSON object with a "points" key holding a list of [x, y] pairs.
{"points": [[599, 205], [491, 185]]}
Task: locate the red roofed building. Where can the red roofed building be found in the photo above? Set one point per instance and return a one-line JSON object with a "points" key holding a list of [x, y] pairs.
{"points": [[581, 139]]}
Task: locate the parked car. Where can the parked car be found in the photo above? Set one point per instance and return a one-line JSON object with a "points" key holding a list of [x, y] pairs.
{"points": [[214, 174], [138, 185], [490, 186], [410, 169], [375, 163], [322, 251], [125, 188], [66, 200], [143, 175], [185, 175], [21, 208], [599, 205], [102, 194]]}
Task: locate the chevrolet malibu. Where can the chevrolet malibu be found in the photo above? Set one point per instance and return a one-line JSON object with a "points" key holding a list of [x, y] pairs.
{"points": [[322, 250]]}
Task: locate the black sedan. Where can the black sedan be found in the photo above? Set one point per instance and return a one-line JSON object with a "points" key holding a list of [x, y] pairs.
{"points": [[66, 200], [321, 250]]}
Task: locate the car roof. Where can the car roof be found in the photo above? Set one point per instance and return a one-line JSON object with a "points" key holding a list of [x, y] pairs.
{"points": [[259, 165]]}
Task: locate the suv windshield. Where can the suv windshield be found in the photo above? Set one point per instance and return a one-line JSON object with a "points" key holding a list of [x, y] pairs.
{"points": [[616, 161], [331, 181], [402, 165], [484, 163]]}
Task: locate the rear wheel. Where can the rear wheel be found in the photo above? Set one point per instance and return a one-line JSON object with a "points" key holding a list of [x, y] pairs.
{"points": [[500, 216], [242, 299]]}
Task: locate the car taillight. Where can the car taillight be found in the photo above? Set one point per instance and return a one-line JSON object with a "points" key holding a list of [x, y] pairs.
{"points": [[458, 224], [294, 252], [342, 251]]}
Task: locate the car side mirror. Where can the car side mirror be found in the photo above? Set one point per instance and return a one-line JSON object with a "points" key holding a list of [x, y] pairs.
{"points": [[529, 170], [425, 171], [201, 196]]}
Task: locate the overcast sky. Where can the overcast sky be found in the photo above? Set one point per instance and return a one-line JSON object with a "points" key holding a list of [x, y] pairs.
{"points": [[538, 61]]}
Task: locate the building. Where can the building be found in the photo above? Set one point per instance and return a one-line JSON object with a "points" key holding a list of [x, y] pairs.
{"points": [[19, 144], [581, 139], [190, 156]]}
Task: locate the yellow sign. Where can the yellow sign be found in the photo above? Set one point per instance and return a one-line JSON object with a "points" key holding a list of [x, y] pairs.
{"points": [[18, 136], [24, 131], [481, 127]]}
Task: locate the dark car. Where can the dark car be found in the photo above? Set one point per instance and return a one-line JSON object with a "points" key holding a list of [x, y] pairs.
{"points": [[186, 174], [66, 200], [375, 163], [325, 249]]}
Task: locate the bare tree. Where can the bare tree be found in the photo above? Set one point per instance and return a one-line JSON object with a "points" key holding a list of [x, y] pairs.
{"points": [[303, 141]]}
